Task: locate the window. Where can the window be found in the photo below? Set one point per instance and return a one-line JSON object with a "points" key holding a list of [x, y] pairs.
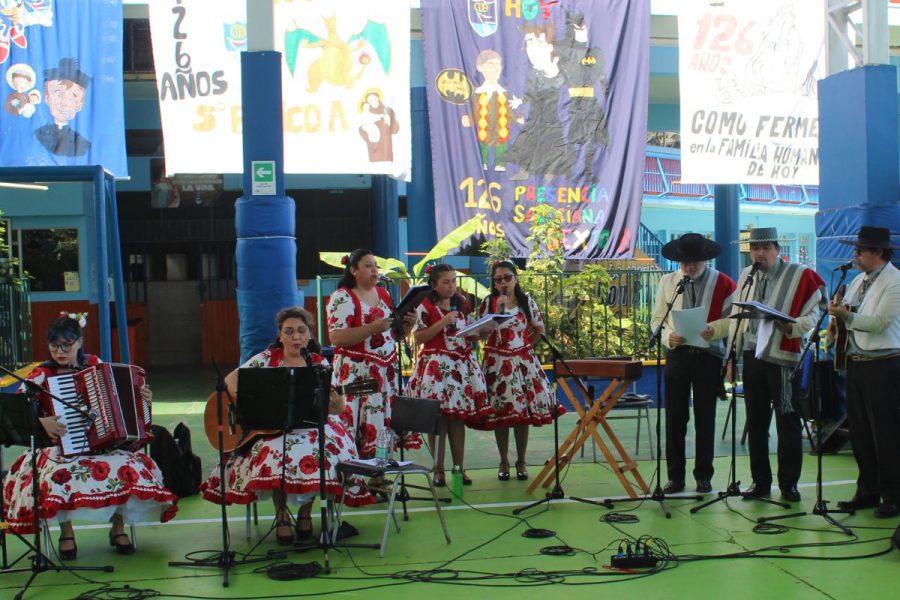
{"points": [[51, 258]]}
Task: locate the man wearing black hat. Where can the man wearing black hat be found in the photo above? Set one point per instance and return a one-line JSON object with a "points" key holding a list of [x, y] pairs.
{"points": [[873, 391], [797, 291], [692, 366], [65, 88]]}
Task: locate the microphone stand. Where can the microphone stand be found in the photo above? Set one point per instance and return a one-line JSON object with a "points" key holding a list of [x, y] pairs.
{"points": [[821, 506], [226, 558], [557, 492], [658, 494], [40, 562], [734, 486]]}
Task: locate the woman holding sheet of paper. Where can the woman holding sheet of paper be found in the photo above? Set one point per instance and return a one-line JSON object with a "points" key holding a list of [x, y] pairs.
{"points": [[518, 389], [446, 369]]}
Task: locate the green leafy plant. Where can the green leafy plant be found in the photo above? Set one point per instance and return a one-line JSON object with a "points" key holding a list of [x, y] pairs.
{"points": [[577, 317]]}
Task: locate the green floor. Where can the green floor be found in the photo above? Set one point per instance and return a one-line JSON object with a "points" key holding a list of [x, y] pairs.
{"points": [[488, 541]]}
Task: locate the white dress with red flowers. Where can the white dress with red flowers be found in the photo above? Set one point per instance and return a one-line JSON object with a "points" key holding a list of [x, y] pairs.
{"points": [[89, 487], [446, 369], [255, 473], [518, 389], [374, 358]]}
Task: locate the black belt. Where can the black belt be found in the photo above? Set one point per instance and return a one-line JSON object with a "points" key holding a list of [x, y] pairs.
{"points": [[862, 358]]}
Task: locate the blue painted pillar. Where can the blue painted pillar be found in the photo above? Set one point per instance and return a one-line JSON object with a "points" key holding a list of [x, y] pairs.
{"points": [[725, 216], [385, 217], [859, 170], [266, 247], [420, 223]]}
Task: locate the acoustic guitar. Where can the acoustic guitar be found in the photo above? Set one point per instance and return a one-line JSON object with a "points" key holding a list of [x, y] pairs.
{"points": [[841, 337], [233, 435]]}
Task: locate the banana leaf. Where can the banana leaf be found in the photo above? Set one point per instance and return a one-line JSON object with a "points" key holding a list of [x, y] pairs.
{"points": [[391, 267], [449, 242]]}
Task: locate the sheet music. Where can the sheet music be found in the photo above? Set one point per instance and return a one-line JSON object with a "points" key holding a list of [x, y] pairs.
{"points": [[689, 323], [763, 311], [485, 324]]}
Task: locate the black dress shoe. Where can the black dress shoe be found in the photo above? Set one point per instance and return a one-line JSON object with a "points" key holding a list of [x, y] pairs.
{"points": [[673, 487], [758, 491], [791, 494], [858, 503], [886, 510], [704, 486]]}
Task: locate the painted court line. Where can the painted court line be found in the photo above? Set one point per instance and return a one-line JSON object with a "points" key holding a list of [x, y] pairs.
{"points": [[381, 511]]}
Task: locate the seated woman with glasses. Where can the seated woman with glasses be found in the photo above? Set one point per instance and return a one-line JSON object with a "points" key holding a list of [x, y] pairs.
{"points": [[115, 486], [446, 369], [518, 389], [257, 472]]}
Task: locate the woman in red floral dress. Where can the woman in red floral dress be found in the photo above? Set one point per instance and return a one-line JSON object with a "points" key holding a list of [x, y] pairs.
{"points": [[518, 389], [446, 369], [359, 326], [115, 486], [257, 472]]}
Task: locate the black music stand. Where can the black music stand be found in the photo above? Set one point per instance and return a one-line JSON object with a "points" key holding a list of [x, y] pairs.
{"points": [[753, 310], [225, 559], [13, 422], [659, 495], [40, 562]]}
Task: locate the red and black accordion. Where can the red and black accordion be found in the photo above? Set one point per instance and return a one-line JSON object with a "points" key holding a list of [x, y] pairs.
{"points": [[110, 391]]}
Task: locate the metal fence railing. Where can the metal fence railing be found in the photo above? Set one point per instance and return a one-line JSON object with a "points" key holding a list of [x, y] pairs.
{"points": [[585, 315], [15, 325]]}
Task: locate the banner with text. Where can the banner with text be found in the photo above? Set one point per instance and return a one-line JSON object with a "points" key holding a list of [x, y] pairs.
{"points": [[61, 62], [748, 73], [539, 102], [345, 84]]}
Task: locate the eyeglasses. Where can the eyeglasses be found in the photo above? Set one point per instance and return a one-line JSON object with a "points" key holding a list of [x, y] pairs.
{"points": [[61, 347], [503, 278], [291, 332]]}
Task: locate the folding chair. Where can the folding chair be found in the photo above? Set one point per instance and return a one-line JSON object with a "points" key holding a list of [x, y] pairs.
{"points": [[409, 415]]}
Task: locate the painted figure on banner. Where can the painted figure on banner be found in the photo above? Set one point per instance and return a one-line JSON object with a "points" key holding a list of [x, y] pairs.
{"points": [[776, 66], [15, 16], [585, 72], [22, 100], [491, 113], [379, 123], [540, 147], [65, 89], [335, 64]]}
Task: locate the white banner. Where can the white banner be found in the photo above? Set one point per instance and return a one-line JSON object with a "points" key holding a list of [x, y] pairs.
{"points": [[345, 80], [749, 106]]}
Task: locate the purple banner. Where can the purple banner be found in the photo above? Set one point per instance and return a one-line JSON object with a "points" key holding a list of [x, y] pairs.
{"points": [[533, 101]]}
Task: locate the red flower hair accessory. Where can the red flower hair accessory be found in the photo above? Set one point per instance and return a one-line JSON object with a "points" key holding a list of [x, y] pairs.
{"points": [[345, 259], [428, 269]]}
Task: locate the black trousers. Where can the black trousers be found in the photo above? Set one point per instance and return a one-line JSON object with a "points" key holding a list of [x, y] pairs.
{"points": [[762, 390], [873, 409], [687, 368]]}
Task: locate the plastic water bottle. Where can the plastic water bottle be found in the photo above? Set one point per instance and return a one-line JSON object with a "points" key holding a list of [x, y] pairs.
{"points": [[456, 483], [381, 447]]}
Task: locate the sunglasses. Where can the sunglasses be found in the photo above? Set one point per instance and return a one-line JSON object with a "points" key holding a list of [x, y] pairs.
{"points": [[504, 278]]}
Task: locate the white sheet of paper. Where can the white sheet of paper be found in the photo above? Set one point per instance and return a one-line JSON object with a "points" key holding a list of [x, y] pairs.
{"points": [[764, 334], [689, 322]]}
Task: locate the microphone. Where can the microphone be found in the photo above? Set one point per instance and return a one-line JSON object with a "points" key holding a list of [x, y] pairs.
{"points": [[384, 279], [845, 267], [684, 281], [453, 307], [304, 352], [752, 272], [501, 304]]}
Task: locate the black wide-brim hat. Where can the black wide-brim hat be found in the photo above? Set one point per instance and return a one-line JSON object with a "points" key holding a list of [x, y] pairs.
{"points": [[872, 237], [691, 247]]}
